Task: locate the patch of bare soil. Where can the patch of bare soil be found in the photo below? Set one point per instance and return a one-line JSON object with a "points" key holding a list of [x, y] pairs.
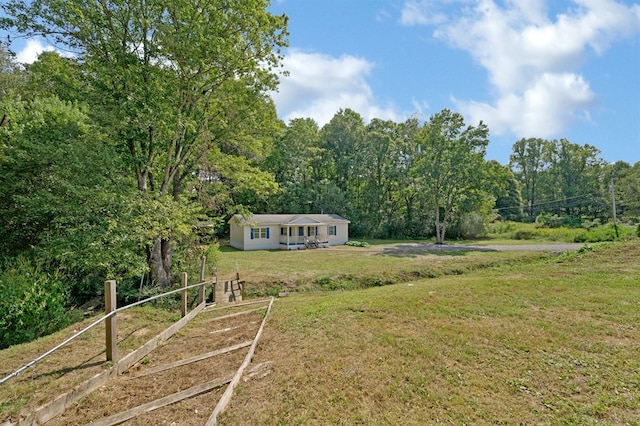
{"points": [[148, 381], [71, 365], [196, 355]]}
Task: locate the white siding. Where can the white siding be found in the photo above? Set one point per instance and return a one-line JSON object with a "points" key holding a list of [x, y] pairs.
{"points": [[240, 230], [273, 242], [342, 234], [236, 235]]}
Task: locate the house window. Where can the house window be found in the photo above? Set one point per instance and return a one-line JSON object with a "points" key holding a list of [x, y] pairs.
{"points": [[259, 233], [312, 231], [332, 230]]}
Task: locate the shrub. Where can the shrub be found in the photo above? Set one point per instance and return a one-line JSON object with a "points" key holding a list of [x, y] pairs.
{"points": [[547, 220], [33, 303], [523, 234], [355, 243], [472, 225]]}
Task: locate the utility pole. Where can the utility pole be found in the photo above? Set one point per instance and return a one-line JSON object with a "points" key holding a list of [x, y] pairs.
{"points": [[613, 205]]}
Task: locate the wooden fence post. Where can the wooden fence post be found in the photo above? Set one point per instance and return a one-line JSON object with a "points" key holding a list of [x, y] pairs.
{"points": [[201, 289], [183, 305], [215, 284], [110, 323]]}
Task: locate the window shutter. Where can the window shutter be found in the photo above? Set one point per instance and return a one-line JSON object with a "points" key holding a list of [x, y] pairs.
{"points": [[335, 230], [252, 233], [268, 233]]}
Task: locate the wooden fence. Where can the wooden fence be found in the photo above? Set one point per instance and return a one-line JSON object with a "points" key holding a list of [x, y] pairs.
{"points": [[235, 288]]}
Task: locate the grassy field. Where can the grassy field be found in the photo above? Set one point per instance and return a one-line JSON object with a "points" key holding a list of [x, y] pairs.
{"points": [[349, 268], [550, 342], [462, 337]]}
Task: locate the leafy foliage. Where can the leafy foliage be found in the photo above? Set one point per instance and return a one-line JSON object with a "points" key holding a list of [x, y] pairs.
{"points": [[33, 303]]}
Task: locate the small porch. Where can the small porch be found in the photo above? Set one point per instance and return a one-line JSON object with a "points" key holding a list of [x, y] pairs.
{"points": [[303, 235]]}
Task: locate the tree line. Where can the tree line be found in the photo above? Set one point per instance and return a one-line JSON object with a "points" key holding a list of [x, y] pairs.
{"points": [[427, 179], [126, 157]]}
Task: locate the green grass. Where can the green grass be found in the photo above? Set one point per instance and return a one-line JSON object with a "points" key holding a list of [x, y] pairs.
{"points": [[349, 268], [531, 232], [554, 341], [491, 338]]}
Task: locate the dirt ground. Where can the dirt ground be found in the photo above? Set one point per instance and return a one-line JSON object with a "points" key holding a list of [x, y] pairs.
{"points": [[142, 383]]}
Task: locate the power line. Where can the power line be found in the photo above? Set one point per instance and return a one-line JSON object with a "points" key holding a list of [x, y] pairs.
{"points": [[564, 200]]}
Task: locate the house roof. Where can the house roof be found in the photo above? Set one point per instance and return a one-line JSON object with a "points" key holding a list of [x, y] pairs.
{"points": [[290, 219]]}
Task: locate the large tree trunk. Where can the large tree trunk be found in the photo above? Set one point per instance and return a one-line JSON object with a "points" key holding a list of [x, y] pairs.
{"points": [[160, 262]]}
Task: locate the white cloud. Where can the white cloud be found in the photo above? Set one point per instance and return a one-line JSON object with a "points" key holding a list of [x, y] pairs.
{"points": [[422, 12], [533, 60], [29, 53], [319, 85], [545, 107]]}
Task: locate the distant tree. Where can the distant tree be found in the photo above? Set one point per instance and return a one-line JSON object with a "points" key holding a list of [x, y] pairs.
{"points": [[12, 76], [575, 172], [296, 162], [626, 180], [528, 163], [54, 75], [342, 139], [451, 166], [509, 206], [377, 184], [410, 204]]}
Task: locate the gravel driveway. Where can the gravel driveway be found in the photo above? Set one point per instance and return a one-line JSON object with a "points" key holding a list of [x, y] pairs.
{"points": [[521, 247]]}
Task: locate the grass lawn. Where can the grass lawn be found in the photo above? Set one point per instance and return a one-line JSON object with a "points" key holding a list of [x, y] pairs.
{"points": [[492, 338], [348, 268], [549, 342]]}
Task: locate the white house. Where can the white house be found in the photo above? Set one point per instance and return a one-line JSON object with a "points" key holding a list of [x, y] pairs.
{"points": [[288, 231]]}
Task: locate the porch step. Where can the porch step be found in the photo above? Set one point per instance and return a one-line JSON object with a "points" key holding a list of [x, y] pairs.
{"points": [[228, 291]]}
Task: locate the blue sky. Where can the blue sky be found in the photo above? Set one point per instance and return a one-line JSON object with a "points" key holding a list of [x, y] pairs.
{"points": [[527, 68]]}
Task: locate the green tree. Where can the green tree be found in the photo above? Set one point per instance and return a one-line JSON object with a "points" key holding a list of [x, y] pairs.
{"points": [[381, 160], [509, 205], [414, 213], [626, 181], [575, 172], [63, 194], [11, 76], [342, 138], [452, 167], [528, 164], [296, 161], [53, 75], [167, 79]]}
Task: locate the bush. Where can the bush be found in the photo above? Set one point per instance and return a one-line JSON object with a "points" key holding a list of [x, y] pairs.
{"points": [[638, 231], [33, 303], [355, 243], [523, 234], [547, 220], [472, 225]]}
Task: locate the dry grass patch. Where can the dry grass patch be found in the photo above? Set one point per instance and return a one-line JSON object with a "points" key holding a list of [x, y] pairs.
{"points": [[80, 360], [554, 342]]}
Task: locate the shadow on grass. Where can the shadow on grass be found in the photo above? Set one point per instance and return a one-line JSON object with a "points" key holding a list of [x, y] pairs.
{"points": [[414, 250], [63, 371]]}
